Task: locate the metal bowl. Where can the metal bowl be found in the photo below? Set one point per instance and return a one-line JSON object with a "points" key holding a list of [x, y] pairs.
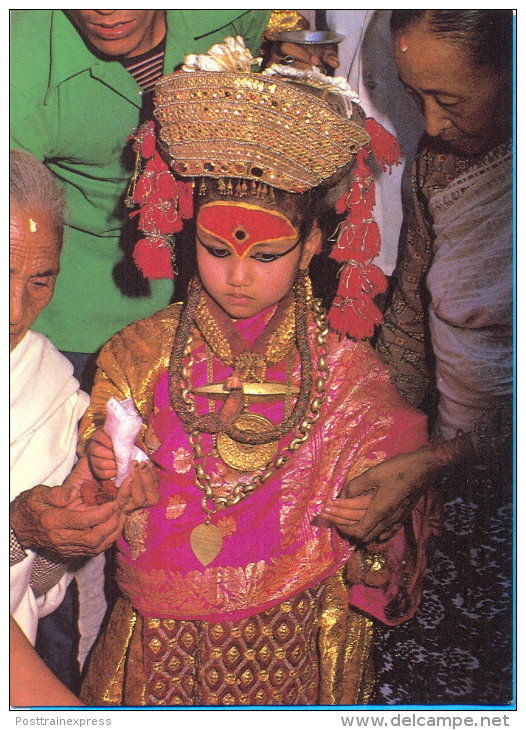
{"points": [[308, 37]]}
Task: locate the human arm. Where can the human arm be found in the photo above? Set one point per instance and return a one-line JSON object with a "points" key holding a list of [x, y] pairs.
{"points": [[31, 682], [395, 486], [401, 342], [56, 520], [52, 520]]}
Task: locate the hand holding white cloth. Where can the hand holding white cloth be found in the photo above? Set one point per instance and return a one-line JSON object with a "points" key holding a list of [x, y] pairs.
{"points": [[123, 423]]}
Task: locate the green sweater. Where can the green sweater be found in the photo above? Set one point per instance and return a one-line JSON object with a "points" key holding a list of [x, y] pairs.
{"points": [[74, 112]]}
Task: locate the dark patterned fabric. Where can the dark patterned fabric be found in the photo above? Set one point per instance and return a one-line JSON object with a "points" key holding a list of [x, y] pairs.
{"points": [[403, 343], [459, 647], [16, 551]]}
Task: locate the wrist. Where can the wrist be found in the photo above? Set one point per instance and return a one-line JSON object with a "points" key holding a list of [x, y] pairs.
{"points": [[458, 450], [22, 518]]}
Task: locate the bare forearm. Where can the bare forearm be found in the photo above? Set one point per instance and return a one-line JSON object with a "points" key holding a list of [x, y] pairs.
{"points": [[31, 682]]}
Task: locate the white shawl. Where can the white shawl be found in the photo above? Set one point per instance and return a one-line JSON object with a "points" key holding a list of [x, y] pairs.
{"points": [[45, 407], [471, 287]]}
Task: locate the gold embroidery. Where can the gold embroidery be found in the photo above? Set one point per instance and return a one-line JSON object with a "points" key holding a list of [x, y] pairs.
{"points": [[176, 507], [182, 460], [228, 588], [226, 526], [213, 335], [135, 532]]}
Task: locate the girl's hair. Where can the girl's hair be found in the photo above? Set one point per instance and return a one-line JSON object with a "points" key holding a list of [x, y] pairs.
{"points": [[32, 186], [486, 35]]}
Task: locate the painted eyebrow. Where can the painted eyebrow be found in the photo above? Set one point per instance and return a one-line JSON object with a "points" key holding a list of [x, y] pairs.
{"points": [[218, 243], [229, 248]]}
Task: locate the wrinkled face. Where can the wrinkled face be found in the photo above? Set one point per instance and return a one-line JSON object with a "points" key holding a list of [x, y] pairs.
{"points": [[248, 256], [34, 253], [124, 33], [466, 105]]}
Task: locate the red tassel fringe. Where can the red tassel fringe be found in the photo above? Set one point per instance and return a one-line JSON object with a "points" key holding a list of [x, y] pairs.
{"points": [[354, 313], [154, 258], [162, 203]]}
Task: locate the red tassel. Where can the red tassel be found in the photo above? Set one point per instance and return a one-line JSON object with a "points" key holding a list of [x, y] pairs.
{"points": [[166, 186], [148, 143], [354, 313], [154, 258], [384, 145], [163, 203]]}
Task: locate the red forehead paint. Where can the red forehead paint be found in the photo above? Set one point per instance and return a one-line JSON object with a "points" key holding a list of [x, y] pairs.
{"points": [[241, 225]]}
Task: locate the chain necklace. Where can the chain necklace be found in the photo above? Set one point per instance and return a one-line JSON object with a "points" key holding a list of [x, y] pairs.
{"points": [[212, 423], [206, 540], [243, 489]]}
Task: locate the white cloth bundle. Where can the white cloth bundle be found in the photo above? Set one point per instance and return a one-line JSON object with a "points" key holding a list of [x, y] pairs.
{"points": [[123, 423]]}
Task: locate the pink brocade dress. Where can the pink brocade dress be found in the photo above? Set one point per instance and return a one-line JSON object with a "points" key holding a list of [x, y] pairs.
{"points": [[271, 619]]}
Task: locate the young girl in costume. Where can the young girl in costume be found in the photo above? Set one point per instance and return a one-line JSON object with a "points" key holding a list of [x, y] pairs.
{"points": [[237, 588]]}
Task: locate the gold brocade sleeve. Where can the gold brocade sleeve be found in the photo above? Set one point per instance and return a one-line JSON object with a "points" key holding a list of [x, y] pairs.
{"points": [[128, 366]]}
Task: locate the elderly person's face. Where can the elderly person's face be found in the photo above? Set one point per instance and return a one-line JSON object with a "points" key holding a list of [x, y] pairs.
{"points": [[466, 105], [124, 33], [34, 255]]}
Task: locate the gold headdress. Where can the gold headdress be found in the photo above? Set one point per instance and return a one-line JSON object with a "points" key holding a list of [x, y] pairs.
{"points": [[282, 128], [255, 127]]}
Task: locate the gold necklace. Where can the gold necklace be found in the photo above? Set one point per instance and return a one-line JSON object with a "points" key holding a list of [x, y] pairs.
{"points": [[225, 419], [206, 539]]}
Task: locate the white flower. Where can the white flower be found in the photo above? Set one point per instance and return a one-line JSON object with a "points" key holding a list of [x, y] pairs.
{"points": [[232, 55]]}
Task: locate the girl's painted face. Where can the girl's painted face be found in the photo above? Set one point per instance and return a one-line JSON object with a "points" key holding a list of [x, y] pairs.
{"points": [[466, 105], [248, 256]]}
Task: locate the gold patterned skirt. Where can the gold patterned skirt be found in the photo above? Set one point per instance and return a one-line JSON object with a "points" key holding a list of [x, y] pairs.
{"points": [[313, 649]]}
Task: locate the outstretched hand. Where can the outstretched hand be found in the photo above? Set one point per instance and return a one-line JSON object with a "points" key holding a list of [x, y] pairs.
{"points": [[375, 505], [54, 520]]}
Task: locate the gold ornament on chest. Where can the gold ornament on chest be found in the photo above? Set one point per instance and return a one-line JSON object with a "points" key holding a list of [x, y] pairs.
{"points": [[246, 441]]}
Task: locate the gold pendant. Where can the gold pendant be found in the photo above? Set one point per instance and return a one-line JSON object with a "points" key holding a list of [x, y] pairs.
{"points": [[253, 392], [206, 542], [247, 457]]}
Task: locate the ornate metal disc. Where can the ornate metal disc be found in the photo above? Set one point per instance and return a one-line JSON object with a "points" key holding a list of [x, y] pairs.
{"points": [[247, 457]]}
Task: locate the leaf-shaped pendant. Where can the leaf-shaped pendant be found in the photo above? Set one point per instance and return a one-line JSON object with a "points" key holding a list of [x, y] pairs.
{"points": [[206, 542]]}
